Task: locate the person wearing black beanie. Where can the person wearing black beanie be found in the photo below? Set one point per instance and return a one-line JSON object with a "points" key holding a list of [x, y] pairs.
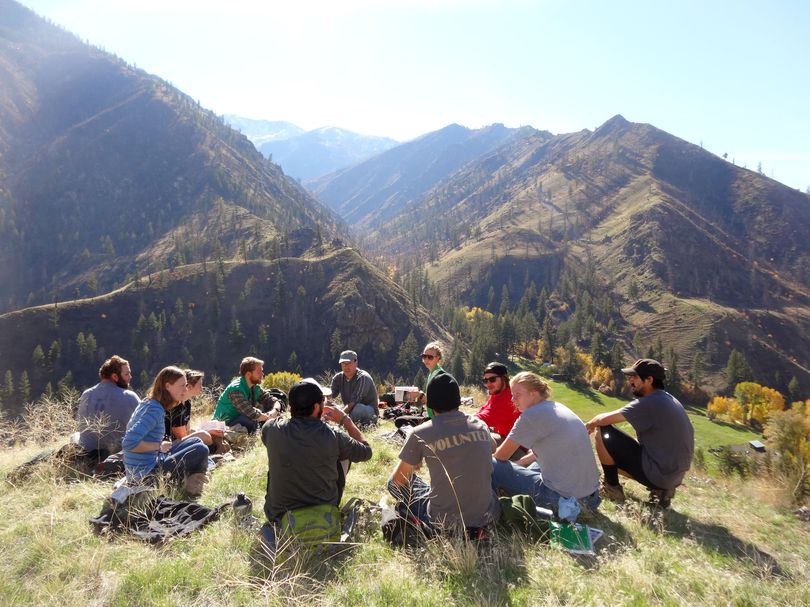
{"points": [[457, 449]]}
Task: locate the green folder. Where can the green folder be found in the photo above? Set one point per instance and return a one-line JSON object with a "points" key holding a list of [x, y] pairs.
{"points": [[576, 538]]}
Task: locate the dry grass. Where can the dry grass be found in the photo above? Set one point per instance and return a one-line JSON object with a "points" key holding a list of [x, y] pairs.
{"points": [[724, 542]]}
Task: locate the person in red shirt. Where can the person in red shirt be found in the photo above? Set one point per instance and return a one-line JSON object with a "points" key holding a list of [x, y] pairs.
{"points": [[499, 413]]}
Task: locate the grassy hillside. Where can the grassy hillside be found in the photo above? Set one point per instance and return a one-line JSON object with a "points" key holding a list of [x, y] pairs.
{"points": [[724, 542]]}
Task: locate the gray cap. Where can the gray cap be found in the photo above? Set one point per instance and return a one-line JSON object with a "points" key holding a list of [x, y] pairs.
{"points": [[348, 356]]}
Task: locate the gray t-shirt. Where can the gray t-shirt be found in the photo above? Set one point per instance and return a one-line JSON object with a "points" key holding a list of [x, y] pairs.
{"points": [[104, 411], [458, 451], [561, 444], [666, 437], [358, 389], [303, 457]]}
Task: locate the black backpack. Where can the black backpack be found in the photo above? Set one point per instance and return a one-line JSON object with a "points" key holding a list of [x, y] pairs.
{"points": [[401, 528], [279, 395]]}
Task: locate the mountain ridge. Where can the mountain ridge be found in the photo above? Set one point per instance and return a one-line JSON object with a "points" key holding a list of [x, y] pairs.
{"points": [[695, 231]]}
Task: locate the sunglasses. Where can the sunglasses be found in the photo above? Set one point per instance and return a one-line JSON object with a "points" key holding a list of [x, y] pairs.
{"points": [[491, 379], [428, 356]]}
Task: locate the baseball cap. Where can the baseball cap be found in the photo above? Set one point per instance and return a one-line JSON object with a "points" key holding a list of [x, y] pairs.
{"points": [[497, 369], [347, 356], [646, 367]]}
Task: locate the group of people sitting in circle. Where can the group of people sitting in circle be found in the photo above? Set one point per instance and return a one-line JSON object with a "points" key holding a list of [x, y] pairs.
{"points": [[521, 442]]}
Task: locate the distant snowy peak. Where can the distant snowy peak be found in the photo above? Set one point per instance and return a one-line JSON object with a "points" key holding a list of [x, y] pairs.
{"points": [[262, 131]]}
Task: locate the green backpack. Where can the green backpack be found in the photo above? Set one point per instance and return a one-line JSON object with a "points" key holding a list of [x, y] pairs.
{"points": [[311, 524]]}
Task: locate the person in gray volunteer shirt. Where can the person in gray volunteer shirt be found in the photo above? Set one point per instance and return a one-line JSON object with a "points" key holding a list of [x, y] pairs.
{"points": [[663, 453], [105, 409], [560, 463], [356, 389], [458, 451]]}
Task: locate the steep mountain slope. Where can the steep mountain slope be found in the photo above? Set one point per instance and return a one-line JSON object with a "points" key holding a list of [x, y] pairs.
{"points": [[718, 253], [107, 172], [378, 189], [322, 151], [211, 315], [150, 229]]}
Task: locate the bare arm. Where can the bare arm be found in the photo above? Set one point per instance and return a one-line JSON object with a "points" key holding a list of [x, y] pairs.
{"points": [[401, 476], [605, 419], [506, 450], [147, 447], [334, 414], [527, 459]]}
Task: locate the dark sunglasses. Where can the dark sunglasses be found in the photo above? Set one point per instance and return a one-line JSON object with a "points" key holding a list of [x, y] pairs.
{"points": [[491, 379], [428, 356]]}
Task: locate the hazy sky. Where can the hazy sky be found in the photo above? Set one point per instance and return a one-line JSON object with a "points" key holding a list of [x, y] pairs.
{"points": [[733, 75]]}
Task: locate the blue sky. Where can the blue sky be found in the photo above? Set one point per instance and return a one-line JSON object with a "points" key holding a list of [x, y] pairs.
{"points": [[734, 76]]}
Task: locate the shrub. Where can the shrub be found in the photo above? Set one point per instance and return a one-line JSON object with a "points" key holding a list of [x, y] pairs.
{"points": [[283, 380]]}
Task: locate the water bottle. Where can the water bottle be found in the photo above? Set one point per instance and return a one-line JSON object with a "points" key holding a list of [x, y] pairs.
{"points": [[242, 507]]}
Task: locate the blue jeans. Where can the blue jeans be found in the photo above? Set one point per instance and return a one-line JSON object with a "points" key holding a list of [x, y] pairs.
{"points": [[363, 414], [528, 480], [187, 457], [244, 420], [415, 496]]}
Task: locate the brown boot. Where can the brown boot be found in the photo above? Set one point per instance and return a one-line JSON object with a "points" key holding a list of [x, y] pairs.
{"points": [[195, 483], [661, 497], [614, 493]]}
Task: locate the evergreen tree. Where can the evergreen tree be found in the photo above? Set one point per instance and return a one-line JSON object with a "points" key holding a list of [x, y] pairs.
{"points": [[407, 355], [696, 372], [55, 351], [25, 387], [235, 333], [794, 389], [143, 381], [617, 357], [456, 367], [504, 301], [598, 354], [737, 370], [549, 341], [335, 343], [261, 334], [38, 357], [8, 387], [570, 364], [292, 363], [475, 363], [65, 384], [419, 378], [674, 382]]}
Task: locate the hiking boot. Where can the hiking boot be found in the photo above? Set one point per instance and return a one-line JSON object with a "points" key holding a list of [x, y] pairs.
{"points": [[661, 497], [195, 483], [614, 493]]}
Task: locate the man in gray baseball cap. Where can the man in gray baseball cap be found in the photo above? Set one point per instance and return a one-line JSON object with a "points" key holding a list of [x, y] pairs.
{"points": [[356, 389], [663, 453]]}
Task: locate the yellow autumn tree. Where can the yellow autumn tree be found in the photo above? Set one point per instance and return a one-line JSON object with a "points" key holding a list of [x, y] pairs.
{"points": [[757, 401], [735, 411], [719, 405]]}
